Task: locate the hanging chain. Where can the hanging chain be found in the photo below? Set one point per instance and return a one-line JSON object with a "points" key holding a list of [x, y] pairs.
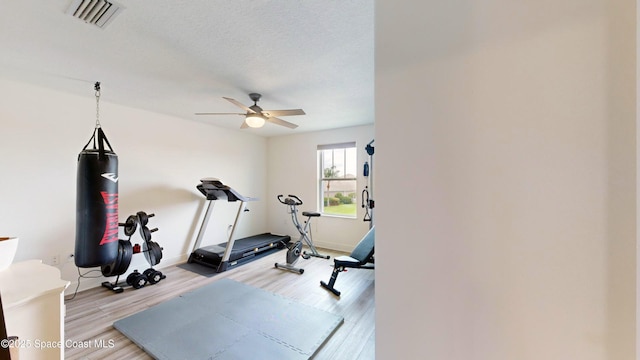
{"points": [[97, 87]]}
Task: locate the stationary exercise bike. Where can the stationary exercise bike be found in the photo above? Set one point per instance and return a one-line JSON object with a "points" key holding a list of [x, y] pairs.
{"points": [[295, 249]]}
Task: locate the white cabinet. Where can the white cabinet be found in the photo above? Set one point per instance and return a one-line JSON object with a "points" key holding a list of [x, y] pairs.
{"points": [[32, 298]]}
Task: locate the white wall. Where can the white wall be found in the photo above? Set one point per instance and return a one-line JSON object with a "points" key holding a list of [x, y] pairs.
{"points": [[161, 160], [637, 177], [522, 162], [292, 169]]}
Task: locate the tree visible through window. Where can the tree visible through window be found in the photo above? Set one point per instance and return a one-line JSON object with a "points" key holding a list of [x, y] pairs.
{"points": [[337, 180]]}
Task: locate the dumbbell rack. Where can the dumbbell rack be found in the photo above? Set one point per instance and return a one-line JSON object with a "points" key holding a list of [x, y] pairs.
{"points": [[151, 250]]}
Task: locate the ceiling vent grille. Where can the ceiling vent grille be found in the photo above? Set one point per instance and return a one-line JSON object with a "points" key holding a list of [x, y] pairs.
{"points": [[96, 12]]}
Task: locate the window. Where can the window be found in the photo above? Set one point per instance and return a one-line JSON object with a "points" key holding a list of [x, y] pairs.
{"points": [[337, 179]]}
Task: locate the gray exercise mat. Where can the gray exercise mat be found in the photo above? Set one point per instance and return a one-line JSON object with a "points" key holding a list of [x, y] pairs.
{"points": [[230, 320]]}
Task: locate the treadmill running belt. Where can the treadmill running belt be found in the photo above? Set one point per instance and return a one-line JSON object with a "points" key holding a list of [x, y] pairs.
{"points": [[243, 250]]}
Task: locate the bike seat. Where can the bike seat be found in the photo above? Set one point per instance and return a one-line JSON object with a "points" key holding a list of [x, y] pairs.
{"points": [[310, 214]]}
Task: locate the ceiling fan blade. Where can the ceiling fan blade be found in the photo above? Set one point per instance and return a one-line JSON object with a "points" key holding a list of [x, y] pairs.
{"points": [[277, 121], [220, 113], [244, 125], [283, 112], [238, 104]]}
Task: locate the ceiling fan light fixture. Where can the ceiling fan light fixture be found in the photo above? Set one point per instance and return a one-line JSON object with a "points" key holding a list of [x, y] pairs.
{"points": [[254, 120], [255, 117]]}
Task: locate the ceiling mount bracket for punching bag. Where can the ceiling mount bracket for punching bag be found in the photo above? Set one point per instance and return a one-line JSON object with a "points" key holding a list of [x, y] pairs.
{"points": [[97, 88]]}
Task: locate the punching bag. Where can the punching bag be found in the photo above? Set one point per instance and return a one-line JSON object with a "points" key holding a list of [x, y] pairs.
{"points": [[97, 204]]}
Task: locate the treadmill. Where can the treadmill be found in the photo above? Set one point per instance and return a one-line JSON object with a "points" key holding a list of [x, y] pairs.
{"points": [[234, 252]]}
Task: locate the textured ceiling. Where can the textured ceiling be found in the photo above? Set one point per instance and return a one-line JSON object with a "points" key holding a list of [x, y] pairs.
{"points": [[181, 57]]}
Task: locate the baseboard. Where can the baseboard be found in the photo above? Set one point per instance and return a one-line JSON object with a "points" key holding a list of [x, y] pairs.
{"points": [[332, 246], [87, 283]]}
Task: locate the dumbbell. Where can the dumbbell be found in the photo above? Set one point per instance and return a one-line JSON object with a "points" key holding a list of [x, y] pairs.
{"points": [[154, 276], [144, 217], [137, 280]]}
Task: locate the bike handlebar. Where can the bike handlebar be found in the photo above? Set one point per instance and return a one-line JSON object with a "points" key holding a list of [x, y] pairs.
{"points": [[291, 200], [298, 201]]}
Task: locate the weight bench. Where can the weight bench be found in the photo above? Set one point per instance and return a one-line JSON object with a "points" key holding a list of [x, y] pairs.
{"points": [[360, 258]]}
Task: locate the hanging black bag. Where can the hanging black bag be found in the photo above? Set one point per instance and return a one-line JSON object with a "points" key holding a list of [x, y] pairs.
{"points": [[97, 204]]}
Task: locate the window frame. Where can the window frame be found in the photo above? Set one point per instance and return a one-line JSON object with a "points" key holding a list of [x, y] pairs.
{"points": [[321, 178]]}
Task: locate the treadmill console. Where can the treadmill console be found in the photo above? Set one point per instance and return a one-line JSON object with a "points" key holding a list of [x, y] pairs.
{"points": [[214, 189]]}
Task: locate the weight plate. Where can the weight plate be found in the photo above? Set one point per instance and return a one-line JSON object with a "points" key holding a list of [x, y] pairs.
{"points": [[131, 225], [127, 253], [143, 217], [152, 252]]}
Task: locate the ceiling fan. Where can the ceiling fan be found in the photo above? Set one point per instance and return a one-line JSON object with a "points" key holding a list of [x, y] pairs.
{"points": [[255, 117]]}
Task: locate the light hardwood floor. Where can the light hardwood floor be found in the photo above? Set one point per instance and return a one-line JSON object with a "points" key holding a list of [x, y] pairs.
{"points": [[90, 315]]}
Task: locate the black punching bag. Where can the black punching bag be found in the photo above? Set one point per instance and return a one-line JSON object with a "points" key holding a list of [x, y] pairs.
{"points": [[97, 204]]}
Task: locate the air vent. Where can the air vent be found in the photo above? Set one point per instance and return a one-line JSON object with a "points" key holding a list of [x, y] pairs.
{"points": [[96, 12]]}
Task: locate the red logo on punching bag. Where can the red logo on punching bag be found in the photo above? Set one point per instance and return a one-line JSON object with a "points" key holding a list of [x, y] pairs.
{"points": [[111, 229]]}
